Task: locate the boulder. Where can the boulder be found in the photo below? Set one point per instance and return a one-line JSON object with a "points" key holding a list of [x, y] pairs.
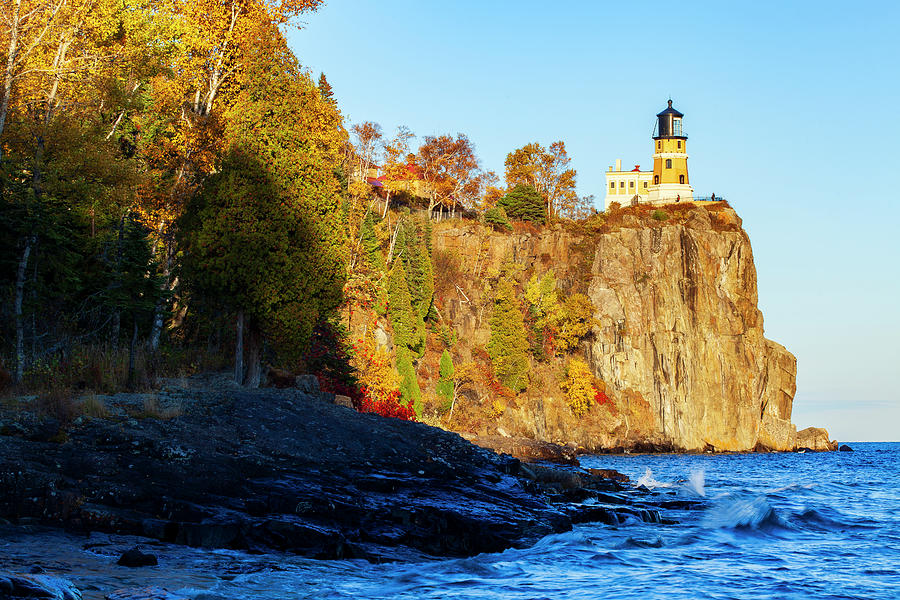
{"points": [[815, 438], [308, 384], [608, 474], [845, 448], [136, 558], [342, 400]]}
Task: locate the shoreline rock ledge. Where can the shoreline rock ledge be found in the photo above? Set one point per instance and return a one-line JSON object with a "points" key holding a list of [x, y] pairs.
{"points": [[282, 470]]}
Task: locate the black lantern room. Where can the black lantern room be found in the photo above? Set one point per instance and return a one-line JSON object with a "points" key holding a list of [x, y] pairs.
{"points": [[668, 124]]}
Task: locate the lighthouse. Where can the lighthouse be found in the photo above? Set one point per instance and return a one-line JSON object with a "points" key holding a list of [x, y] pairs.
{"points": [[670, 173]]}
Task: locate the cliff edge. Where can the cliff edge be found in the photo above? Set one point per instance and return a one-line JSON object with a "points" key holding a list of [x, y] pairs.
{"points": [[677, 339]]}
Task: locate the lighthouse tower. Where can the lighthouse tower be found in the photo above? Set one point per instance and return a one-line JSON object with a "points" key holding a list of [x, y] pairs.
{"points": [[670, 181]]}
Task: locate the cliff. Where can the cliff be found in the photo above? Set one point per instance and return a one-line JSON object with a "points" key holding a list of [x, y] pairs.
{"points": [[677, 341]]}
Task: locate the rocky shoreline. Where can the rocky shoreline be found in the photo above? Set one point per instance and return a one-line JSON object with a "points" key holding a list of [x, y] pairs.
{"points": [[285, 470]]}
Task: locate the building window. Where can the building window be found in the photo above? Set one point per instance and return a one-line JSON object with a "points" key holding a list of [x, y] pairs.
{"points": [[681, 179], [679, 144], [656, 180], [612, 185], [631, 184], [658, 145], [668, 163], [645, 185]]}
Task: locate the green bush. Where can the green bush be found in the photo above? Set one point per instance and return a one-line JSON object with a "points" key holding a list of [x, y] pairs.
{"points": [[496, 217], [659, 215], [525, 203]]}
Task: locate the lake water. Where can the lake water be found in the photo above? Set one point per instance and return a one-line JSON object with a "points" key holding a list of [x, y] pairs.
{"points": [[813, 525]]}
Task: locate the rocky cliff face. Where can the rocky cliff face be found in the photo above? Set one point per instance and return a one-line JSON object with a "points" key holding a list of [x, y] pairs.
{"points": [[679, 339]]}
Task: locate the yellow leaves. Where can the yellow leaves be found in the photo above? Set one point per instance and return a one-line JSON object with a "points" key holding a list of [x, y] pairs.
{"points": [[579, 386], [547, 171]]}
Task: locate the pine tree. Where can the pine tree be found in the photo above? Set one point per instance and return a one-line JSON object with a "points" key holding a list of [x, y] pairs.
{"points": [[370, 244], [508, 346], [525, 203], [419, 270], [410, 394], [325, 89], [400, 310], [445, 384]]}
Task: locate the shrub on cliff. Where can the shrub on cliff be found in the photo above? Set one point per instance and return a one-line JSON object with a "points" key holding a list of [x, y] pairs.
{"points": [[525, 203], [579, 387], [379, 383], [496, 218], [508, 346], [576, 323]]}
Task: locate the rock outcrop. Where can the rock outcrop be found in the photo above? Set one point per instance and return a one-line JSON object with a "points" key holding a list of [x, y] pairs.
{"points": [[679, 339], [815, 438]]}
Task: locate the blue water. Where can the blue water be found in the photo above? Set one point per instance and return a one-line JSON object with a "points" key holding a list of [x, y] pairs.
{"points": [[814, 525]]}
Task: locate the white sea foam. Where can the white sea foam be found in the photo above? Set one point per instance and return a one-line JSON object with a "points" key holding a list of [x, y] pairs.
{"points": [[697, 482], [647, 481]]}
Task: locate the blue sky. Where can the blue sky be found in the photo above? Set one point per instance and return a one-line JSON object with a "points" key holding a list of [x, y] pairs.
{"points": [[792, 111]]}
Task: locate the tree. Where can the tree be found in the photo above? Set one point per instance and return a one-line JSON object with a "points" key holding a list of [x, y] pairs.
{"points": [[577, 322], [410, 394], [508, 346], [466, 374], [325, 89], [445, 383], [496, 218], [523, 202], [579, 386], [547, 171], [265, 236], [404, 319], [395, 171], [368, 141], [451, 171], [370, 245]]}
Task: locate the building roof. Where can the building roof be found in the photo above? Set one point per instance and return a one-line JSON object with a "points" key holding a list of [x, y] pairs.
{"points": [[670, 111]]}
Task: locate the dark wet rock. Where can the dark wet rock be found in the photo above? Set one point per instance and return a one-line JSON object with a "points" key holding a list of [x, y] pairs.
{"points": [[45, 587], [136, 558], [274, 469], [527, 449], [143, 593], [608, 474], [277, 469], [845, 448]]}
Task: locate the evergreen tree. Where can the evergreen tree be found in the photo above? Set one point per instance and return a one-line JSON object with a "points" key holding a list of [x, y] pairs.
{"points": [[508, 346], [371, 245], [410, 394], [419, 270], [525, 203], [325, 89], [403, 318], [445, 383], [496, 217]]}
